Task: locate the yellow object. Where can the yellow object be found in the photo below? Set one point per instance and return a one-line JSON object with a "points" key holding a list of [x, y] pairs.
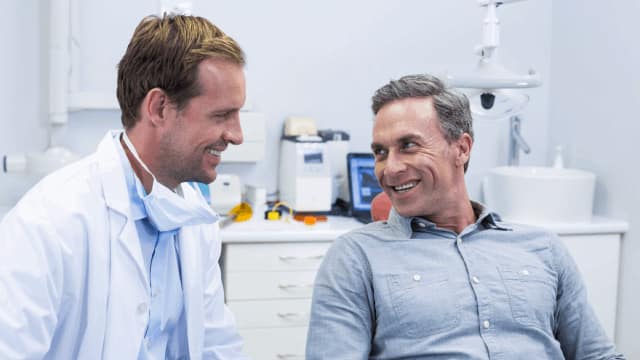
{"points": [[274, 215], [241, 212]]}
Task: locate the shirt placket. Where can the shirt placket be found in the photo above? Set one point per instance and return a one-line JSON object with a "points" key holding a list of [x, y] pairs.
{"points": [[479, 283]]}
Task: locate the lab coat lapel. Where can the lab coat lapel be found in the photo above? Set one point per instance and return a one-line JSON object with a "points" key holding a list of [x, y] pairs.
{"points": [[128, 281], [191, 271], [117, 199]]}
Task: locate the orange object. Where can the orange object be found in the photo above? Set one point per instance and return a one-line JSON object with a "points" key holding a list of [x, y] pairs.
{"points": [[301, 217], [380, 207]]}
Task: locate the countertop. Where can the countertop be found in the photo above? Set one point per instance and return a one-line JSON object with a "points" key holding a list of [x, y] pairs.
{"points": [[259, 230], [271, 231]]}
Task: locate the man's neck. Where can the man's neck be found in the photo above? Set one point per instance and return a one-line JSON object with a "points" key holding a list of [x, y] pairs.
{"points": [[145, 178], [457, 217]]}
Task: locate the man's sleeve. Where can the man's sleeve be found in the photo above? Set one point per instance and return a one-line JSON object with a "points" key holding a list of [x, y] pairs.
{"points": [[30, 286], [578, 329], [342, 310], [221, 338]]}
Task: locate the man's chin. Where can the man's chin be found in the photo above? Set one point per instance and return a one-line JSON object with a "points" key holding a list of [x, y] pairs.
{"points": [[406, 211]]}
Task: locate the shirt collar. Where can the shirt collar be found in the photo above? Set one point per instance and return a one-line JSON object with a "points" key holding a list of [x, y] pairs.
{"points": [[406, 225]]}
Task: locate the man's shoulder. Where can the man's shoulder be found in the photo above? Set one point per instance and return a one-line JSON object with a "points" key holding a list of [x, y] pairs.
{"points": [[73, 188], [373, 235]]}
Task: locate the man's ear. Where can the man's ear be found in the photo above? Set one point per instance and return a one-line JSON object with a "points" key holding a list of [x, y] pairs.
{"points": [[154, 106], [463, 147]]}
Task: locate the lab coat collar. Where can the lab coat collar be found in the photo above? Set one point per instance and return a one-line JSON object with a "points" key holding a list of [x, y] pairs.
{"points": [[116, 198]]}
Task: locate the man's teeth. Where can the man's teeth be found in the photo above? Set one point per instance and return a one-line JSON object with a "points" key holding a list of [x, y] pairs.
{"points": [[404, 187], [214, 152]]}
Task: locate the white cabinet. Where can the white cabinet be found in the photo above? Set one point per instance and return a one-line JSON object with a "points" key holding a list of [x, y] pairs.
{"points": [[598, 258], [268, 288]]}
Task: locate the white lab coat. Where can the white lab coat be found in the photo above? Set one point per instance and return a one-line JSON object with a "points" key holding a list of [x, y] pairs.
{"points": [[73, 283]]}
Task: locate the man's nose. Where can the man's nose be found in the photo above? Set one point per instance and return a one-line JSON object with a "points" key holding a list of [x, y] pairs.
{"points": [[394, 164], [233, 133]]}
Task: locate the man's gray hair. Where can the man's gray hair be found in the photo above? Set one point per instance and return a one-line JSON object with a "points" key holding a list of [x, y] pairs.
{"points": [[452, 107]]}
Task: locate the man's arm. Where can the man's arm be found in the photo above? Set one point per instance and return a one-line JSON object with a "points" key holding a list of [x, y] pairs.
{"points": [[342, 310], [577, 328], [221, 338], [30, 285]]}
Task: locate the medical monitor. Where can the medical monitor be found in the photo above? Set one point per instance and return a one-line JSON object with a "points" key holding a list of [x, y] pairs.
{"points": [[363, 184]]}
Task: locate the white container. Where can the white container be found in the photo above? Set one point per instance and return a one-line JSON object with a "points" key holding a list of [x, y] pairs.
{"points": [[540, 194]]}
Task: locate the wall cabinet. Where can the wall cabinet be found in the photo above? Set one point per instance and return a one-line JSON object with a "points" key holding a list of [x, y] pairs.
{"points": [[268, 275]]}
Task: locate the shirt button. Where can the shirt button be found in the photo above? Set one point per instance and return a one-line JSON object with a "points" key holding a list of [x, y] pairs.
{"points": [[475, 280], [422, 225], [417, 277], [142, 309], [486, 324]]}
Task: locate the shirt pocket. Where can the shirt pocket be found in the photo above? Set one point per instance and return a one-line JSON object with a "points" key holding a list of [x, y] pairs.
{"points": [[532, 293], [424, 303]]}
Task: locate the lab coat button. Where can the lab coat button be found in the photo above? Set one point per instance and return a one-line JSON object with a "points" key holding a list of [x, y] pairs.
{"points": [[475, 280], [417, 277], [525, 272], [486, 324], [142, 309]]}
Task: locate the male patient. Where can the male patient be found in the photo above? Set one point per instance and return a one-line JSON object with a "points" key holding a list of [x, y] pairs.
{"points": [[444, 277]]}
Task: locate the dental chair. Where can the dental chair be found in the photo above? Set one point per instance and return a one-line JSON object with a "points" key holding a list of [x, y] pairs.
{"points": [[380, 207]]}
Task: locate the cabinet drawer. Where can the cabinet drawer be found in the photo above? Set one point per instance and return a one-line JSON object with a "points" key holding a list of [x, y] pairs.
{"points": [[274, 257], [271, 313], [269, 285], [275, 344]]}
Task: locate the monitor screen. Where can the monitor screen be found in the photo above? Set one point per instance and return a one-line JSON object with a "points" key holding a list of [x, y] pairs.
{"points": [[363, 183]]}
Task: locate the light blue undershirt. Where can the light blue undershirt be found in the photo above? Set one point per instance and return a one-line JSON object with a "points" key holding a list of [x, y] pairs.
{"points": [[162, 263]]}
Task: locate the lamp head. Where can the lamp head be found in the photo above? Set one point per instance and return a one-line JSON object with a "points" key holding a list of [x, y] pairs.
{"points": [[487, 100]]}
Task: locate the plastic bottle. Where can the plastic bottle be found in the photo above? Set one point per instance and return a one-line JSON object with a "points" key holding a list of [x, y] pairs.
{"points": [[558, 160]]}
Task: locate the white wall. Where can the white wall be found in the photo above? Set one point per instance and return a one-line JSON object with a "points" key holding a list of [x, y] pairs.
{"points": [[595, 92], [318, 59]]}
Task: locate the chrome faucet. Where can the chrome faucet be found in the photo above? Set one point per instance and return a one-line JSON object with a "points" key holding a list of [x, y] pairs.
{"points": [[517, 142]]}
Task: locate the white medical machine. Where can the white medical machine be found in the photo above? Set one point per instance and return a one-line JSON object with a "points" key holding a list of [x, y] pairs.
{"points": [[337, 147], [225, 193], [305, 179]]}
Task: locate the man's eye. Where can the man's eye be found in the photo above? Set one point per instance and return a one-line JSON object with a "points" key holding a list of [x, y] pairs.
{"points": [[408, 145], [379, 152]]}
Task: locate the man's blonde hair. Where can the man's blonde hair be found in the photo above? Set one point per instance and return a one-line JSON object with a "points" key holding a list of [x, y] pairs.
{"points": [[164, 53]]}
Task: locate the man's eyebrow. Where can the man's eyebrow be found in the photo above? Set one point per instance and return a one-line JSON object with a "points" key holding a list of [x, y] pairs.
{"points": [[410, 137], [223, 111]]}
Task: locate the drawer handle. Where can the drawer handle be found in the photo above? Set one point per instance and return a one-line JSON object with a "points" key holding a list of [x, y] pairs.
{"points": [[295, 286], [289, 356], [290, 315], [291, 257]]}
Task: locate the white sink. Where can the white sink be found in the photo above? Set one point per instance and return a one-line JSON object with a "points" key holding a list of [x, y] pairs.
{"points": [[539, 195]]}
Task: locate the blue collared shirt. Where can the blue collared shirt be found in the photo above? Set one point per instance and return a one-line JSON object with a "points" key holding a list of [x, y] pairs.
{"points": [[162, 263], [408, 289]]}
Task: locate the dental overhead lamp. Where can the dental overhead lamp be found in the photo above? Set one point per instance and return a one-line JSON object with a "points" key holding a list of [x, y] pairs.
{"points": [[493, 87]]}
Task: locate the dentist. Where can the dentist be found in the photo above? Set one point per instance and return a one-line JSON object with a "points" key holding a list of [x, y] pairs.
{"points": [[116, 256]]}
